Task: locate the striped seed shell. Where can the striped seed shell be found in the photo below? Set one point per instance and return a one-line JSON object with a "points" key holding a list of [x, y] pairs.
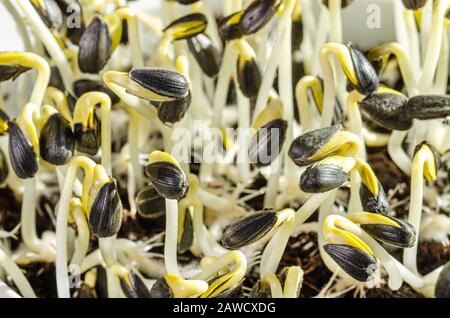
{"points": [[86, 291], [387, 110], [306, 145], [161, 289], [150, 204], [187, 26], [266, 145], [57, 141], [234, 291], [426, 107], [257, 15], [365, 73], [88, 140], [249, 77], [205, 53], [171, 112], [8, 72], [95, 47], [354, 261], [249, 229], [134, 287], [21, 153], [187, 235], [442, 289], [403, 236], [105, 216], [4, 170], [168, 179], [260, 290], [322, 178], [414, 4], [373, 204], [160, 81], [229, 28]]}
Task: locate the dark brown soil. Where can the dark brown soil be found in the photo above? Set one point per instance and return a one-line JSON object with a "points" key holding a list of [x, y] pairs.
{"points": [[42, 277], [303, 251], [384, 292], [431, 255]]}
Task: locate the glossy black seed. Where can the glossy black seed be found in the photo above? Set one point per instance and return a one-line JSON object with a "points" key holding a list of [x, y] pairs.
{"points": [[4, 170], [249, 229], [442, 289], [414, 4], [232, 292], [168, 179], [49, 12], [257, 15], [373, 204], [436, 154], [95, 47], [230, 30], [404, 237], [266, 145], [57, 141], [365, 73], [344, 3], [160, 289], [306, 145], [150, 204], [185, 2], [187, 235], [105, 216], [322, 178], [83, 86], [21, 153], [354, 261], [249, 77], [160, 81], [428, 107], [71, 11], [56, 79], [205, 53], [8, 72], [387, 110], [191, 24], [173, 111], [134, 287]]}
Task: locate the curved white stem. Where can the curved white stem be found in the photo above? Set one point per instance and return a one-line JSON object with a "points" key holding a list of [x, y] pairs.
{"points": [[16, 275], [82, 241], [397, 153], [170, 242]]}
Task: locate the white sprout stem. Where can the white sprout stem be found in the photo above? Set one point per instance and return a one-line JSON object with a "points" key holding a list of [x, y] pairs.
{"points": [[374, 139], [113, 284], [62, 277], [303, 104], [355, 120], [205, 240], [46, 37], [16, 275], [220, 100], [273, 182], [275, 248], [19, 24], [170, 242], [320, 36], [426, 21], [28, 222], [82, 241], [434, 45], [413, 38], [212, 28], [442, 70], [233, 257], [395, 150], [355, 199], [276, 290], [329, 91], [415, 210], [243, 123], [133, 133], [400, 26], [213, 201], [274, 60], [107, 247], [335, 21], [309, 32]]}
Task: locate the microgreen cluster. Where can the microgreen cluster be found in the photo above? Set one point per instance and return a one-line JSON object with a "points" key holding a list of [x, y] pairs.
{"points": [[111, 124]]}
